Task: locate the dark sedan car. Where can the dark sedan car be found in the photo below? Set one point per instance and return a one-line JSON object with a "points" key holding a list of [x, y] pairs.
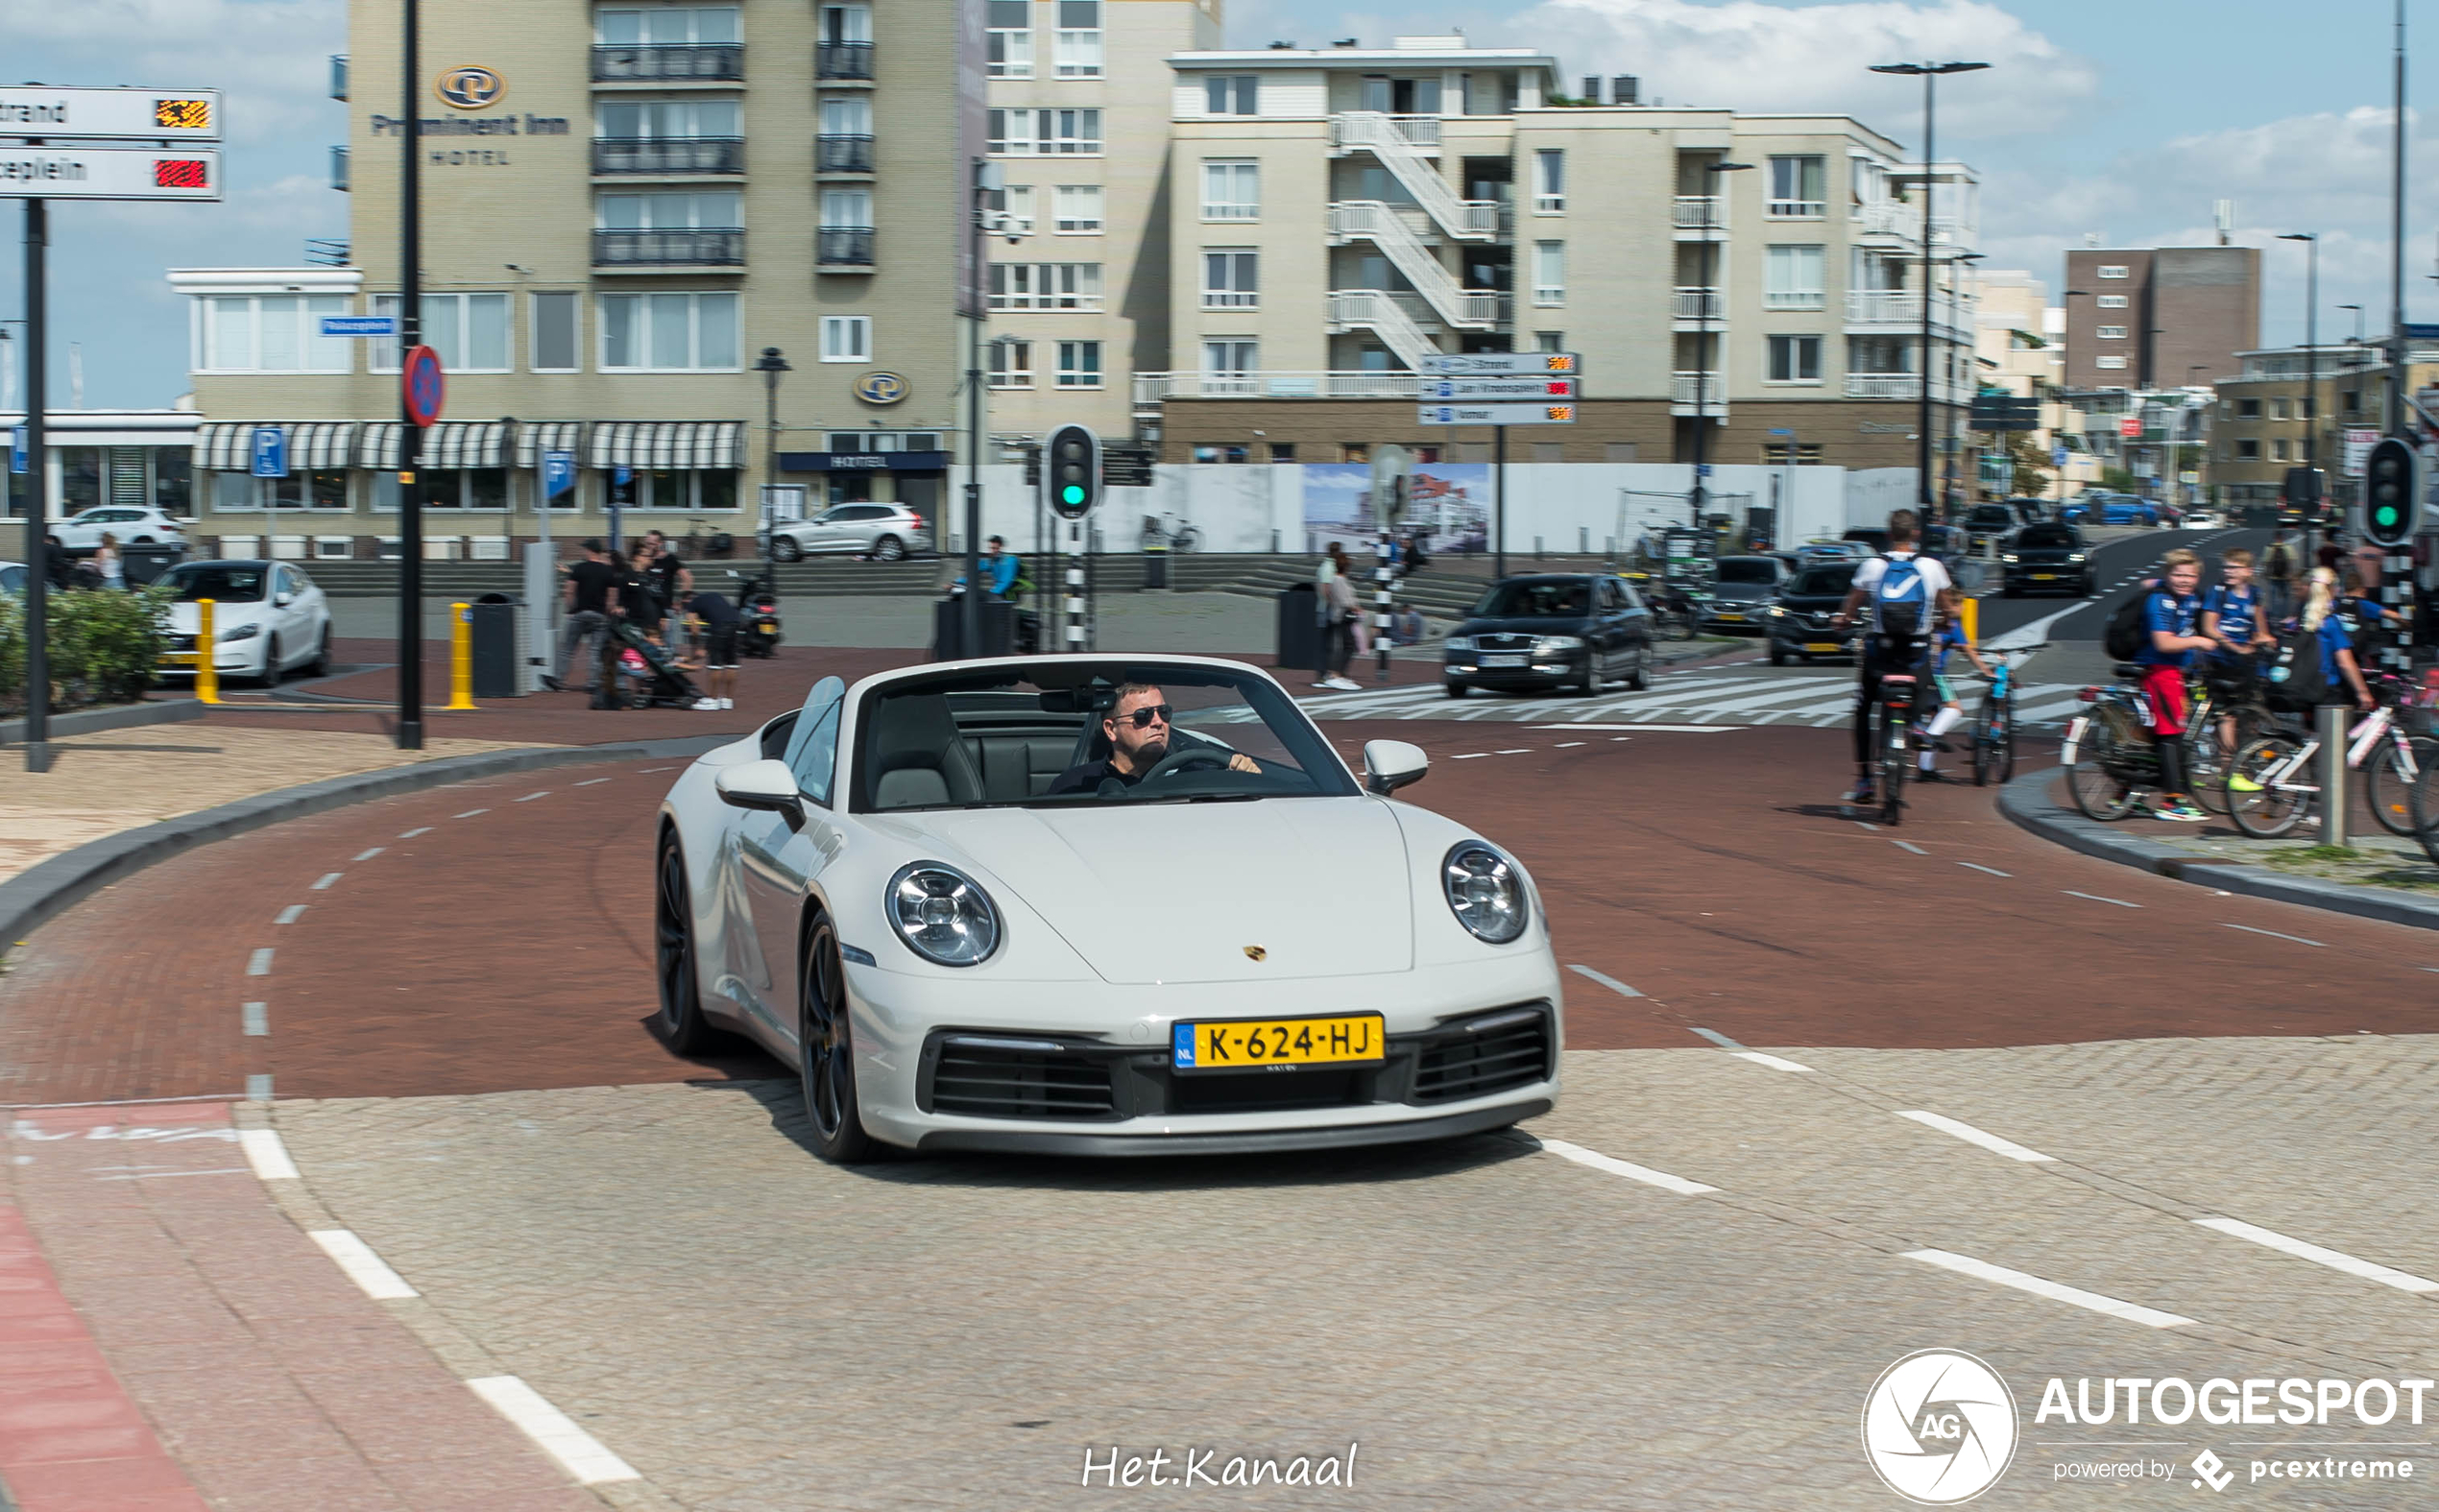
{"points": [[1800, 627], [2047, 558], [1552, 629], [1741, 590]]}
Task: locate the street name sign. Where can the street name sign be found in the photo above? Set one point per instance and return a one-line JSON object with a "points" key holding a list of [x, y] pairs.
{"points": [[151, 115], [359, 326], [1500, 364], [1543, 388], [1508, 414], [109, 172]]}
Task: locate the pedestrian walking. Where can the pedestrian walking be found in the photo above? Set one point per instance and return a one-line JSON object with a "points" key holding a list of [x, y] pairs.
{"points": [[1334, 606], [720, 621], [107, 562], [589, 596]]}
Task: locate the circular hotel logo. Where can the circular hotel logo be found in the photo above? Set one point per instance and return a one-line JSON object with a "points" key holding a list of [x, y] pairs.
{"points": [[883, 388], [471, 87], [1939, 1428]]}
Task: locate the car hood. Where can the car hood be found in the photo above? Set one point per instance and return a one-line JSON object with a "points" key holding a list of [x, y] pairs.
{"points": [[1523, 626], [185, 618], [1181, 892], [2044, 553], [1811, 603]]}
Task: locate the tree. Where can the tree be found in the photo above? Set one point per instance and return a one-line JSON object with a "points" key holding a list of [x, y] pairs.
{"points": [[2032, 465]]}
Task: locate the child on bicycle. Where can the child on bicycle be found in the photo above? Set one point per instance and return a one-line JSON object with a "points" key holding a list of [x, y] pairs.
{"points": [[2238, 625], [2172, 616], [1952, 714]]}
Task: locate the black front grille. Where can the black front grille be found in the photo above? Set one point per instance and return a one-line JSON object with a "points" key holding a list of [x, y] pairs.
{"points": [[1491, 1054], [1503, 640], [1269, 1091], [1013, 1079]]}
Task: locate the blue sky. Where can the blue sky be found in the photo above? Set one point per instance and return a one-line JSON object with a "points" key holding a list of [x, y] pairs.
{"points": [[2122, 117]]}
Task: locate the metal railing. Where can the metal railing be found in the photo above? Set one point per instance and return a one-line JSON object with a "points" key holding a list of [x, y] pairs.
{"points": [[848, 245], [1150, 388], [1696, 304], [1386, 137], [1380, 224], [669, 154], [842, 60], [1794, 299], [1708, 389], [718, 246], [667, 61], [1691, 209], [1903, 307], [1374, 310], [338, 168], [338, 76], [1883, 386], [1796, 209], [842, 152]]}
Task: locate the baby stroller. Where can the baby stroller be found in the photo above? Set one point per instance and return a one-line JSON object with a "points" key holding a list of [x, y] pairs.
{"points": [[649, 668]]}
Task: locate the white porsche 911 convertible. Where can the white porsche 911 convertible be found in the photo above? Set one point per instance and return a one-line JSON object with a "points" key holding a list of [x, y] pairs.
{"points": [[1099, 905]]}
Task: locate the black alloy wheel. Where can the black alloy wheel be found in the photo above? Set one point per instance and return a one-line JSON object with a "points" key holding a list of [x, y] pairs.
{"points": [[888, 548], [680, 1019], [271, 664], [826, 1052], [1457, 689], [320, 665]]}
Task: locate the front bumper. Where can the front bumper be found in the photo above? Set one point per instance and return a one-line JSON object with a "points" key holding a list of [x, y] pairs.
{"points": [[229, 658], [1813, 640], [1735, 617], [1541, 669], [2044, 577]]}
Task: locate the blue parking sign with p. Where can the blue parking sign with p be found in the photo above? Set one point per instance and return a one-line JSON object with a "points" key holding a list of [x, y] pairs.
{"points": [[558, 473], [270, 451]]}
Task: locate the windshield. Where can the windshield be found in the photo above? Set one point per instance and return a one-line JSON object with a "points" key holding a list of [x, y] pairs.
{"points": [[1043, 736], [2045, 535], [220, 580], [1536, 598], [1825, 580], [1748, 569], [1992, 515]]}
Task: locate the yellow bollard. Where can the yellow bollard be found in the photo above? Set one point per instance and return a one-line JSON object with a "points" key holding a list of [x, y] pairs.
{"points": [[207, 651], [1973, 620], [461, 656]]}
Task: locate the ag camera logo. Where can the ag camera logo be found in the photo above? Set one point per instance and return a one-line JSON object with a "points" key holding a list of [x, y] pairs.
{"points": [[1939, 1428]]}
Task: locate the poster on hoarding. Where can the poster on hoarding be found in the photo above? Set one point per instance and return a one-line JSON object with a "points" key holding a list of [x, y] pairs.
{"points": [[1447, 502]]}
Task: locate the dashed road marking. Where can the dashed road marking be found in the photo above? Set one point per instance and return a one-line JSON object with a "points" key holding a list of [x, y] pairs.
{"points": [[530, 797], [1979, 867], [370, 1273], [420, 829], [1715, 1036], [1974, 1136], [327, 879], [2334, 1259], [1773, 1061], [267, 1154], [2097, 898], [367, 855], [591, 780], [1606, 980], [1908, 845], [1868, 825], [2076, 1296], [1626, 1169], [578, 1453], [470, 813], [2274, 934], [258, 964], [1563, 744], [1514, 751], [255, 1017], [649, 770], [290, 914], [1470, 756]]}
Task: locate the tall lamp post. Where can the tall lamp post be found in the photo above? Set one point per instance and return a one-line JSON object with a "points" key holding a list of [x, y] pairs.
{"points": [[2311, 349], [1702, 349], [770, 366], [1956, 322], [982, 181], [410, 687], [2065, 294], [1928, 73]]}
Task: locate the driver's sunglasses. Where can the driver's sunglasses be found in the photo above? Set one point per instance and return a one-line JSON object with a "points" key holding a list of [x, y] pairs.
{"points": [[1143, 717]]}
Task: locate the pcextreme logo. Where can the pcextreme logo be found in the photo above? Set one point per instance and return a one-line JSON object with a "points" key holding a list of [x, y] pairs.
{"points": [[1939, 1427]]}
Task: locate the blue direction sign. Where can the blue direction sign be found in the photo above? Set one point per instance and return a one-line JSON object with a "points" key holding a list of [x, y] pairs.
{"points": [[270, 449], [558, 473], [16, 449], [359, 326]]}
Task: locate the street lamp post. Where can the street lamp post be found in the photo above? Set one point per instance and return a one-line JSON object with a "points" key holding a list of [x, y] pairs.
{"points": [[2312, 351], [1928, 73], [982, 179], [1702, 341], [1956, 323], [770, 366], [410, 682], [2068, 310]]}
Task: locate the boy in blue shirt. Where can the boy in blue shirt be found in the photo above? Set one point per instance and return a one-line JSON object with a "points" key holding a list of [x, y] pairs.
{"points": [[2171, 613], [2235, 619]]}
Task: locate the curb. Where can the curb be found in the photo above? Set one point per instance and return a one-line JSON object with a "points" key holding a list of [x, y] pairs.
{"points": [[46, 890], [2026, 801], [91, 721]]}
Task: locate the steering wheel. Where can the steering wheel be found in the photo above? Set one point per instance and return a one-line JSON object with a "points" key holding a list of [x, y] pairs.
{"points": [[1185, 760]]}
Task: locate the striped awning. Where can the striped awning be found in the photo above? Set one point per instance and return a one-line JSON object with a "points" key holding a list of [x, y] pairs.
{"points": [[451, 444], [228, 445], [666, 444], [536, 437]]}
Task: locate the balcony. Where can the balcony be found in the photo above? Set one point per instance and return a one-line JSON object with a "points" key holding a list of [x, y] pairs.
{"points": [[338, 76], [1692, 392], [1796, 209], [708, 247], [842, 60], [1697, 212], [339, 169], [844, 247], [1883, 386], [1901, 309], [1697, 303], [837, 153], [669, 154], [667, 62], [1795, 299], [1150, 388], [1372, 129]]}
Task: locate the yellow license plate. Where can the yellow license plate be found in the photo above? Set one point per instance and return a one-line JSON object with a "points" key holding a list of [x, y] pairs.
{"points": [[1730, 614], [1820, 645], [1243, 1045], [2044, 577]]}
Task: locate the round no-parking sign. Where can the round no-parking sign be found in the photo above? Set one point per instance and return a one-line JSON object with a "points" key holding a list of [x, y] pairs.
{"points": [[425, 389]]}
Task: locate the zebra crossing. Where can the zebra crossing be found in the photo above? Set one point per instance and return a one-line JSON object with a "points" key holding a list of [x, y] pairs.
{"points": [[1728, 696]]}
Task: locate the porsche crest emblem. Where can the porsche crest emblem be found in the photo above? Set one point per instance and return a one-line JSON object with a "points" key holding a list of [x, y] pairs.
{"points": [[1255, 952]]}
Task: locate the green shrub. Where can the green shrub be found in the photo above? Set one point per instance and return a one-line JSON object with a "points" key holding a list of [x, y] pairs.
{"points": [[103, 647]]}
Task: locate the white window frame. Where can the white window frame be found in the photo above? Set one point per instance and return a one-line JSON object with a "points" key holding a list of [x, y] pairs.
{"points": [[1231, 278], [644, 200], [1051, 132], [841, 195], [2114, 270], [1045, 286], [1550, 180], [1015, 45], [846, 338], [1794, 207], [2108, 333], [336, 352], [1549, 341], [384, 353], [693, 29], [693, 110], [1077, 50], [1781, 285], [1232, 175], [1796, 345], [1549, 257], [1011, 363], [1231, 92], [694, 331], [2112, 301], [1016, 207], [533, 331], [1071, 364], [1077, 209], [2111, 364]]}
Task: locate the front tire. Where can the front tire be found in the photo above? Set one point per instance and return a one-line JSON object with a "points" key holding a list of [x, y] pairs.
{"points": [[2390, 794], [320, 665], [888, 548], [826, 1053], [2099, 790], [786, 548], [1777, 655], [2271, 811], [1457, 689], [1591, 684], [270, 662], [680, 1019]]}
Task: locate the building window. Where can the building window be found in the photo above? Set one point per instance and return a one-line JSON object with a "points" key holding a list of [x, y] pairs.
{"points": [[1221, 452], [2248, 409], [271, 334], [1016, 205], [2110, 332], [1798, 188], [1232, 94], [237, 492], [846, 338], [483, 490], [1045, 134], [2112, 363], [846, 209], [668, 120], [1079, 38], [1046, 286], [669, 333], [679, 210], [2113, 269], [1011, 364], [1230, 279], [2112, 301], [1794, 278], [667, 24], [554, 332], [2280, 409], [2247, 452], [1011, 38], [1549, 341], [1230, 367], [1794, 359], [668, 490], [1548, 181], [1078, 209], [1549, 273], [469, 331], [1231, 191], [1079, 365]]}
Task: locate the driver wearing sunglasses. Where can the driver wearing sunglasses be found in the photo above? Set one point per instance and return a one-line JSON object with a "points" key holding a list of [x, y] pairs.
{"points": [[1137, 728]]}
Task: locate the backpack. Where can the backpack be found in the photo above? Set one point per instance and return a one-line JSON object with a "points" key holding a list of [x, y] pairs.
{"points": [[2279, 563], [2124, 638], [1902, 598], [2293, 681]]}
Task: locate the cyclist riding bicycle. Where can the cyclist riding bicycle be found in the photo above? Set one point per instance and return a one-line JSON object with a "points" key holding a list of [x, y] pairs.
{"points": [[1905, 589], [2171, 614], [1952, 714]]}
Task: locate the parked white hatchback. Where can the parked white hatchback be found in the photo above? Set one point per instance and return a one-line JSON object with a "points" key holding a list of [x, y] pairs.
{"points": [[268, 618], [134, 526]]}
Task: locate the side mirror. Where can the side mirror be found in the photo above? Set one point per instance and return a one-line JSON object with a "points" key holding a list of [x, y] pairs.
{"points": [[1392, 764], [766, 785], [283, 601]]}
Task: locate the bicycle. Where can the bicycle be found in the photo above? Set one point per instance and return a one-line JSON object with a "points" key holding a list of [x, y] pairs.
{"points": [[2274, 770], [1995, 728], [1896, 740], [1156, 535], [2110, 753]]}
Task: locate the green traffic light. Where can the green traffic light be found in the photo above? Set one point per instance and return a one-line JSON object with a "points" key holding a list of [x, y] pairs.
{"points": [[1071, 494]]}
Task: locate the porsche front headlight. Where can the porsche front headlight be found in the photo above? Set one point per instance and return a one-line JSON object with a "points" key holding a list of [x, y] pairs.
{"points": [[1485, 891], [942, 913]]}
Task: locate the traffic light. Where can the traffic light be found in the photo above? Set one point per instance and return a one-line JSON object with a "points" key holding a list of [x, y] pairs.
{"points": [[1072, 469], [2392, 493]]}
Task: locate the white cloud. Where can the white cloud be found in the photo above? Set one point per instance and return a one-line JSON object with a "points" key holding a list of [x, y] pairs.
{"points": [[265, 56]]}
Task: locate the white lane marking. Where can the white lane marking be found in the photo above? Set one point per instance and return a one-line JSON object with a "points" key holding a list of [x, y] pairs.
{"points": [[267, 1154], [1626, 1169], [2001, 1276], [1608, 981], [255, 1017], [578, 1453], [258, 1088], [1563, 744], [2334, 1259], [1979, 867], [1868, 825], [530, 797], [1714, 1037], [327, 879], [410, 834], [367, 855], [1671, 729], [591, 780], [290, 914], [2097, 898], [217, 1170], [1908, 845], [1616, 739], [1514, 751], [470, 813], [1974, 1136], [258, 964], [2274, 934], [1470, 756], [649, 770], [1773, 1061], [371, 1274]]}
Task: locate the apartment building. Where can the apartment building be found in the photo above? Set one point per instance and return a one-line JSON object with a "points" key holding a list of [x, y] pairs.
{"points": [[1339, 214], [2260, 431], [623, 206], [2160, 319]]}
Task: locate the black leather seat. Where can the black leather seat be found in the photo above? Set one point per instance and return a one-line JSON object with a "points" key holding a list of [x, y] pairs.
{"points": [[1016, 767], [917, 758]]}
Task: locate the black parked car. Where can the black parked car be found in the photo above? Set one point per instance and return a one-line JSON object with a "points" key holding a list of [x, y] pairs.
{"points": [[1800, 627], [1552, 629], [1741, 590], [2047, 558]]}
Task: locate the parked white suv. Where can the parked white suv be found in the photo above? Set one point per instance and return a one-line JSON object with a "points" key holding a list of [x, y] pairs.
{"points": [[134, 525], [884, 532]]}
